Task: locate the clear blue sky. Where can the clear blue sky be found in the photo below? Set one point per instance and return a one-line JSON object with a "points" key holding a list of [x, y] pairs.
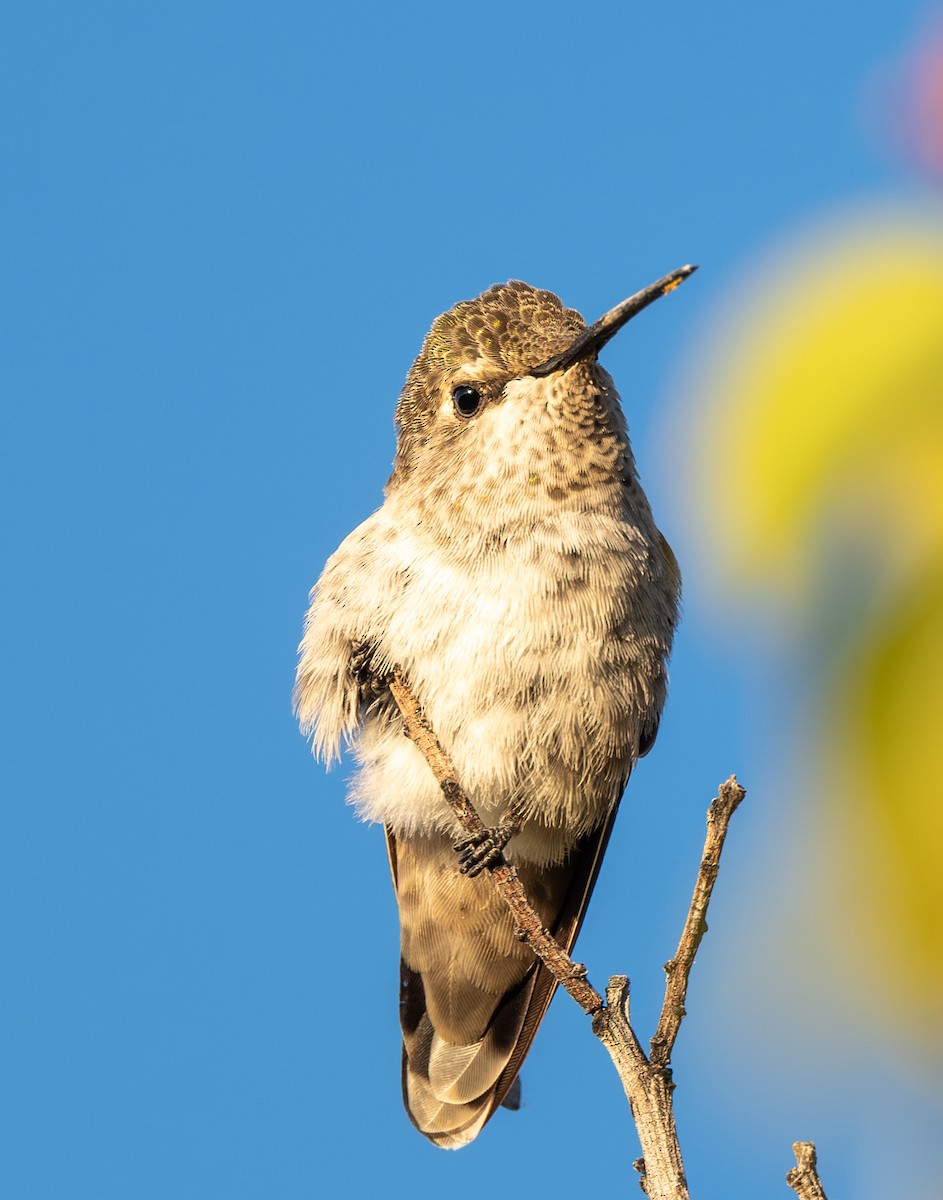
{"points": [[224, 229]]}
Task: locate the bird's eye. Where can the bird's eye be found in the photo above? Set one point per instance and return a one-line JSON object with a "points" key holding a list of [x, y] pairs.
{"points": [[467, 400]]}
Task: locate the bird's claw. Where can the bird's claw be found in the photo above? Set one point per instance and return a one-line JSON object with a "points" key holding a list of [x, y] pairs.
{"points": [[360, 655], [369, 684], [483, 851]]}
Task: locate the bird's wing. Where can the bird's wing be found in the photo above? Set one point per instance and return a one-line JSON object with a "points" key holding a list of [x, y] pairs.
{"points": [[472, 996], [585, 860]]}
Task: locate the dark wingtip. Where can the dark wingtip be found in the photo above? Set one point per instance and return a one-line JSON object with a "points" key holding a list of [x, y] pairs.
{"points": [[512, 1099]]}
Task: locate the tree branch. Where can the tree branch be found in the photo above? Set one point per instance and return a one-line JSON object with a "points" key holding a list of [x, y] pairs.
{"points": [[722, 808], [648, 1090], [647, 1082], [804, 1178]]}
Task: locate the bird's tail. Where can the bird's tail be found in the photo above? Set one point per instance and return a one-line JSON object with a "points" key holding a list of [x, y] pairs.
{"points": [[471, 993]]}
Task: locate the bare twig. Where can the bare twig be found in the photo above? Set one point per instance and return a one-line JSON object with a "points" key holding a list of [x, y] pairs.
{"points": [[722, 808], [569, 974], [648, 1083], [804, 1178], [648, 1090]]}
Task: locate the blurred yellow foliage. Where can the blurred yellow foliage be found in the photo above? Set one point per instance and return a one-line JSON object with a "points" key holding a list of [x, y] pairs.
{"points": [[826, 387], [819, 435], [884, 747]]}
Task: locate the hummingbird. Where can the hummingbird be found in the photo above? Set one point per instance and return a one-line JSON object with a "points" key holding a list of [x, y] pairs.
{"points": [[515, 577]]}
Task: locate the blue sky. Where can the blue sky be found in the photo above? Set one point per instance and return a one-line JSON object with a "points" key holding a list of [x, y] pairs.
{"points": [[224, 230]]}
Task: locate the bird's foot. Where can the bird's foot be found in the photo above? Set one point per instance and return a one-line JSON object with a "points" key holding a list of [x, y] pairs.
{"points": [[360, 667], [484, 851], [370, 685]]}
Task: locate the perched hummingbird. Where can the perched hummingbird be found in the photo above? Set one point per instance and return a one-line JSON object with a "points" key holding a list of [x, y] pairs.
{"points": [[516, 578]]}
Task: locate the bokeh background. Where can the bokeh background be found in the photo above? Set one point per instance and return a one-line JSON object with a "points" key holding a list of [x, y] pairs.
{"points": [[224, 229]]}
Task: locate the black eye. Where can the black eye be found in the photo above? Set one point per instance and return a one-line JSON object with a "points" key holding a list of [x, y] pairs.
{"points": [[467, 400]]}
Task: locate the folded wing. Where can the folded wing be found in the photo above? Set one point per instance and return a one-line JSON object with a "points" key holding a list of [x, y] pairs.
{"points": [[472, 995]]}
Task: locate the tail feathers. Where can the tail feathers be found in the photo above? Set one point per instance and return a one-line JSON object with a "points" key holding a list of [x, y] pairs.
{"points": [[472, 995], [458, 1074], [450, 1089], [450, 1126]]}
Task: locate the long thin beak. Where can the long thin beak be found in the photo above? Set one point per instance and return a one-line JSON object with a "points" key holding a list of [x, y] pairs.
{"points": [[592, 340]]}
